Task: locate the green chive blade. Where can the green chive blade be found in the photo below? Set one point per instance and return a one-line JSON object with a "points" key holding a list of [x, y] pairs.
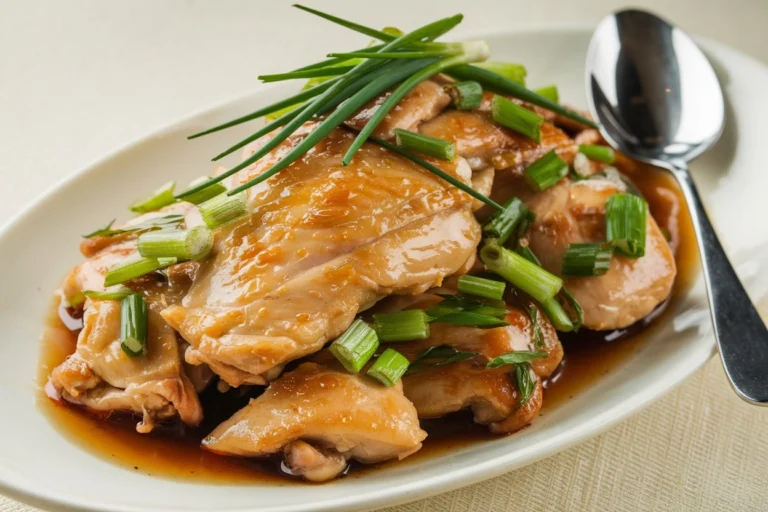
{"points": [[517, 357], [204, 194], [471, 319], [116, 293]]}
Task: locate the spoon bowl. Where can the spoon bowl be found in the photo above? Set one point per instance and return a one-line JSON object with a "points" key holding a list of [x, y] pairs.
{"points": [[658, 99]]}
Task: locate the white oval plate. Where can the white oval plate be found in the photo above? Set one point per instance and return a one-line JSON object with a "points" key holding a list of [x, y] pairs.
{"points": [[39, 466]]}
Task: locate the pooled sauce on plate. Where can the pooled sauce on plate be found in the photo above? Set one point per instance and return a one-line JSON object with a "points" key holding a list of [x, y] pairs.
{"points": [[174, 451]]}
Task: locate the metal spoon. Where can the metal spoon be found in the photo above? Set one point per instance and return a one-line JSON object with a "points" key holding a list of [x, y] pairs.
{"points": [[658, 100]]}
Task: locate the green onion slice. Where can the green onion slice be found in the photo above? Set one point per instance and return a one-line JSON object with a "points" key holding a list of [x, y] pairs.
{"points": [[519, 119], [133, 325], [550, 92], [554, 311], [470, 319], [517, 357], [162, 197], [412, 324], [481, 287], [201, 196], [430, 146], [465, 95], [603, 154], [546, 171], [510, 71], [356, 346], [503, 224], [439, 356], [527, 276], [526, 382], [184, 244], [389, 367], [222, 209], [584, 260], [133, 267], [116, 293], [625, 222]]}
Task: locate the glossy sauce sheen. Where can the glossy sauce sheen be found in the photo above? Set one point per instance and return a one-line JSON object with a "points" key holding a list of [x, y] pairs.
{"points": [[174, 451]]}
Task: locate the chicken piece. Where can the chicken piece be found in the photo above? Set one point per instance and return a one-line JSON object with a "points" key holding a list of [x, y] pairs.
{"points": [[342, 417], [422, 103], [574, 212], [100, 376], [322, 242], [484, 143]]}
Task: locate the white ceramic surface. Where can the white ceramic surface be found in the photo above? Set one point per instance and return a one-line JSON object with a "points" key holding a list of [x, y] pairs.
{"points": [[39, 466]]}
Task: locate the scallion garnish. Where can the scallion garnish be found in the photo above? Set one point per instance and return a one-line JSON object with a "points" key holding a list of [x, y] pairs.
{"points": [[587, 259], [201, 196], [552, 308], [536, 334], [603, 154], [550, 92], [510, 71], [526, 382], [465, 95], [572, 307], [470, 319], [546, 171], [430, 146], [162, 197], [481, 287], [625, 224], [456, 303], [503, 224], [164, 222], [389, 367], [412, 324], [356, 346], [519, 119], [439, 356], [307, 73], [133, 267], [133, 325], [517, 357], [222, 210], [527, 276], [117, 293], [186, 244]]}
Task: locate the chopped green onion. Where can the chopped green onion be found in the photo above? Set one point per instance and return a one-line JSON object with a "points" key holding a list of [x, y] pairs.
{"points": [[186, 244], [551, 307], [162, 197], [511, 115], [625, 224], [201, 196], [517, 357], [538, 337], [439, 356], [456, 303], [527, 276], [412, 324], [356, 346], [481, 287], [587, 259], [546, 171], [437, 172], [549, 92], [603, 154], [572, 307], [465, 95], [526, 382], [430, 146], [222, 210], [471, 319], [508, 70], [389, 367], [503, 224], [118, 293], [490, 310], [133, 267], [133, 325]]}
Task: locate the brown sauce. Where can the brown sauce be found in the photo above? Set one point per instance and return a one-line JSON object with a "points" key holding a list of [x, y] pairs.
{"points": [[174, 451]]}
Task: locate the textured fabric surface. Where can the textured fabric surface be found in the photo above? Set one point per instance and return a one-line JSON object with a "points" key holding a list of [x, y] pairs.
{"points": [[698, 448]]}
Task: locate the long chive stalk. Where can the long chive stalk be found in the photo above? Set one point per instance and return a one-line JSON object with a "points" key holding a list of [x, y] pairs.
{"points": [[517, 118], [307, 73], [412, 324], [425, 144], [356, 346], [133, 325], [205, 194], [376, 34], [481, 287], [184, 244], [501, 85], [389, 367], [477, 52], [527, 276], [438, 172], [133, 267], [162, 197], [337, 60]]}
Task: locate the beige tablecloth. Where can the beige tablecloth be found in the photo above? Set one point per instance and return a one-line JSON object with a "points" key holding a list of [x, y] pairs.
{"points": [[699, 448]]}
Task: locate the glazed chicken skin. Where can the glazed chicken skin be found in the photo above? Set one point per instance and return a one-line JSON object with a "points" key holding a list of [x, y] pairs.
{"points": [[321, 416], [322, 243]]}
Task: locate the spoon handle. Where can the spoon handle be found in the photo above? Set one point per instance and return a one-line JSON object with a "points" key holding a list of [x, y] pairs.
{"points": [[741, 334]]}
